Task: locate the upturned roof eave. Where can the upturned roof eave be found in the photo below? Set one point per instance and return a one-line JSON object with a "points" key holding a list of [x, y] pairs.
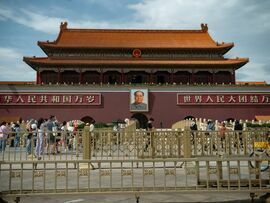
{"points": [[52, 45], [33, 62], [29, 61]]}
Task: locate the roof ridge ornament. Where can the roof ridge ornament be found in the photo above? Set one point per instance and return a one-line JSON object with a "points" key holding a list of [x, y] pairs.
{"points": [[204, 27], [63, 25]]}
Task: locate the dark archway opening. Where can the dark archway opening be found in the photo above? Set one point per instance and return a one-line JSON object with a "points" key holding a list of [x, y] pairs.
{"points": [[203, 77], [70, 77], [183, 77], [189, 118], [230, 119], [49, 77], [160, 79], [223, 77], [112, 77], [142, 119], [87, 119], [137, 79], [91, 77]]}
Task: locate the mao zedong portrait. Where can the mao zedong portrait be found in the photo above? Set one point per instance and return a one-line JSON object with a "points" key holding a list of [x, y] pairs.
{"points": [[138, 104]]}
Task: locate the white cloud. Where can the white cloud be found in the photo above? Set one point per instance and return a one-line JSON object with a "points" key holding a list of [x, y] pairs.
{"points": [[155, 14], [44, 23], [51, 24], [34, 20], [173, 14], [5, 13], [252, 72], [232, 15], [12, 66], [17, 73], [229, 21], [9, 53]]}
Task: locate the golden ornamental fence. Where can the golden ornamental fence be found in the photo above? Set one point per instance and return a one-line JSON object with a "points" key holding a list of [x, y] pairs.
{"points": [[186, 174], [134, 161], [140, 144]]}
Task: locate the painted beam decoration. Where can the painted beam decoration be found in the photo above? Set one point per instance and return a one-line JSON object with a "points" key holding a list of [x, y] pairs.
{"points": [[43, 99], [223, 99]]}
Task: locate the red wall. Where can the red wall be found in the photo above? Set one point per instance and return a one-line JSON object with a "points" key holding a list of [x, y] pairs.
{"points": [[162, 107]]}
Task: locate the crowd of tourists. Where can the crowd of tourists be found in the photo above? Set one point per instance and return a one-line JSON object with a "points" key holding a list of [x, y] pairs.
{"points": [[38, 136], [51, 136], [222, 127]]}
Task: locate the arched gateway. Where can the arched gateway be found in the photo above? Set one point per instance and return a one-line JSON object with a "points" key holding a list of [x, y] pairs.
{"points": [[142, 119], [87, 119]]}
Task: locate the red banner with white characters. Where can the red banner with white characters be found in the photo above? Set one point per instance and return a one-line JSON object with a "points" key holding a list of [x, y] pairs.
{"points": [[223, 99], [50, 99]]}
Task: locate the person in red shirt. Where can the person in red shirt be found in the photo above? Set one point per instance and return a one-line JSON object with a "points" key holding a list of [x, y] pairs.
{"points": [[222, 132]]}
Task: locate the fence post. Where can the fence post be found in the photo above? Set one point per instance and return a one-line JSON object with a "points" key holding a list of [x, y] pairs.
{"points": [[152, 139], [219, 172], [187, 144], [86, 142], [245, 141], [230, 138], [178, 135]]}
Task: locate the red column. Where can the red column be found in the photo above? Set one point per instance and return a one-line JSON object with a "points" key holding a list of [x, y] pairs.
{"points": [[233, 77], [172, 77], [122, 76], [59, 75], [81, 77], [192, 77], [151, 77], [38, 78], [101, 77], [213, 77]]}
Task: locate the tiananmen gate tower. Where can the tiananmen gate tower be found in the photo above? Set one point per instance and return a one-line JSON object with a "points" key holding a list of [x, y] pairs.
{"points": [[99, 73]]}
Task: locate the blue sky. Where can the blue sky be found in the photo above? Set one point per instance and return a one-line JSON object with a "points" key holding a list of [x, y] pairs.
{"points": [[244, 22]]}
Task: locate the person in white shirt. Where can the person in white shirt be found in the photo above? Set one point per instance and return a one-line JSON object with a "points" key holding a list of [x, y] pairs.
{"points": [[40, 138], [3, 136], [92, 126], [64, 134]]}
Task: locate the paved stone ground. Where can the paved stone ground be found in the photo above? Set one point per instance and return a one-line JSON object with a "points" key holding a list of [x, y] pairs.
{"points": [[144, 198]]}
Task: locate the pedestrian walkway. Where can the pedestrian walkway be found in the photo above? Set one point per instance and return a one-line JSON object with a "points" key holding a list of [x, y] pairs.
{"points": [[142, 198]]}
